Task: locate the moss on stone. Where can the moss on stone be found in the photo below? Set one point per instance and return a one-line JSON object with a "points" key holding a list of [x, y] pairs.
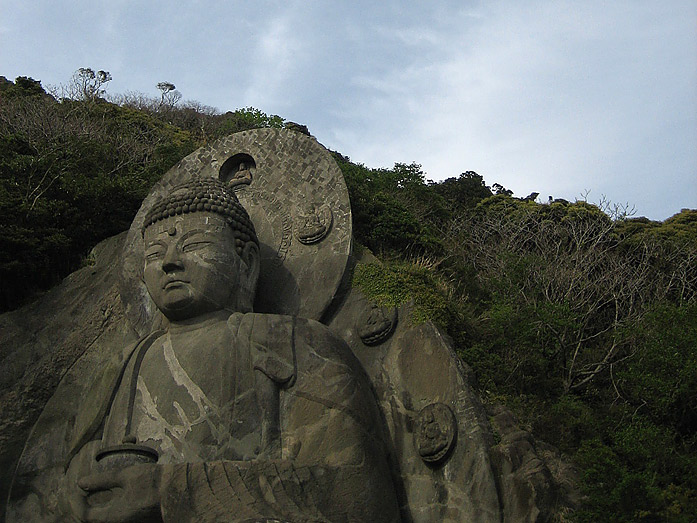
{"points": [[393, 284]]}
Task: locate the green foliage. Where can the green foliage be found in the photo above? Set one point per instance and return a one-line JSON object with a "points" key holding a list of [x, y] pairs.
{"points": [[464, 192], [660, 379], [88, 85], [682, 227], [397, 283], [74, 171], [613, 493], [247, 118], [588, 329], [254, 118], [23, 86], [394, 210], [497, 188], [567, 422], [71, 174], [637, 474], [515, 348]]}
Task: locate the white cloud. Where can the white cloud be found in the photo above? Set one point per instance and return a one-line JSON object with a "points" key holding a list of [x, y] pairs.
{"points": [[556, 97], [537, 99], [274, 60]]}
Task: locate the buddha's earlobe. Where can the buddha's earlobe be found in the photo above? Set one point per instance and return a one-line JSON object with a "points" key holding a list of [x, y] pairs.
{"points": [[251, 260]]}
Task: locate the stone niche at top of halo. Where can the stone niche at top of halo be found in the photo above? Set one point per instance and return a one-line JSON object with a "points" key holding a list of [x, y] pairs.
{"points": [[297, 199]]}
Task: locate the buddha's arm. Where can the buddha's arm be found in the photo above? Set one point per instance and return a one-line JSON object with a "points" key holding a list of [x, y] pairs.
{"points": [[278, 490], [331, 466], [336, 472], [326, 462]]}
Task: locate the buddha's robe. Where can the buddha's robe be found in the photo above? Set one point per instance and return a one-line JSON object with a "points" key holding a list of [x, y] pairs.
{"points": [[265, 417]]}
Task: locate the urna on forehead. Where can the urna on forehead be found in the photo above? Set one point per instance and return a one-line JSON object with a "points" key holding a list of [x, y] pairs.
{"points": [[205, 195]]}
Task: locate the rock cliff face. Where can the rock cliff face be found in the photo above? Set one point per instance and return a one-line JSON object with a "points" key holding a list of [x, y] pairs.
{"points": [[41, 341], [444, 459], [517, 478], [490, 469]]}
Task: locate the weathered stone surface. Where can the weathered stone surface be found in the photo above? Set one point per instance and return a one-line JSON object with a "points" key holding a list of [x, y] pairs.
{"points": [[41, 341], [224, 413], [376, 324], [415, 371], [436, 433], [411, 370], [534, 480]]}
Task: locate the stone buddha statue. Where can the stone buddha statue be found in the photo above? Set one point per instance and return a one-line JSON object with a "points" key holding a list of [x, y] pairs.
{"points": [[225, 415], [186, 375]]}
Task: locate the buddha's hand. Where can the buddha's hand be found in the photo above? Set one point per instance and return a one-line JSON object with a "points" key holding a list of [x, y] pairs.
{"points": [[128, 495]]}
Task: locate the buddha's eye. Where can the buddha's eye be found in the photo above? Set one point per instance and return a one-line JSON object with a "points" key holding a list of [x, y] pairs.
{"points": [[154, 253], [195, 245]]}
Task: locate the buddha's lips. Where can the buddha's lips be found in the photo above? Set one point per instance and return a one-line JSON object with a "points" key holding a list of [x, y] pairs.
{"points": [[171, 283]]}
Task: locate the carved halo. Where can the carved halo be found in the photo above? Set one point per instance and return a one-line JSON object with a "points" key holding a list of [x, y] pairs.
{"points": [[283, 173]]}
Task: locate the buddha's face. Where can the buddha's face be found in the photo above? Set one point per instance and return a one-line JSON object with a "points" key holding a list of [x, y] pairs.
{"points": [[191, 266]]}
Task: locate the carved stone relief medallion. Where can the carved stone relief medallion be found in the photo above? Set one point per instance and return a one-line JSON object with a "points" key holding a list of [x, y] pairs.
{"points": [[435, 432], [313, 223], [376, 324]]}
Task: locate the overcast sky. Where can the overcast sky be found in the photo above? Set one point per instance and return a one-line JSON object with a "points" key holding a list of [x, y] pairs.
{"points": [[556, 97]]}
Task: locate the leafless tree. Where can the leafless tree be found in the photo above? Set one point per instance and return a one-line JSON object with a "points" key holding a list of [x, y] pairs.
{"points": [[87, 84], [574, 263], [136, 100], [49, 127], [170, 95]]}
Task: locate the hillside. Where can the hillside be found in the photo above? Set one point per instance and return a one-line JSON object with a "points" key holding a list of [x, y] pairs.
{"points": [[581, 320]]}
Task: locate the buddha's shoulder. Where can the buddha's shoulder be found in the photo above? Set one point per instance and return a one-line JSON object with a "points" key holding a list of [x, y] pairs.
{"points": [[307, 336], [257, 321]]}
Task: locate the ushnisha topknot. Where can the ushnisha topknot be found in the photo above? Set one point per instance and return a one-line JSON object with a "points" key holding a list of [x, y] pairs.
{"points": [[205, 195]]}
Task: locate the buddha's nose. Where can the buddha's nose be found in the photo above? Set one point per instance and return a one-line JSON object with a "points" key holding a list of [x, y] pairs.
{"points": [[172, 260]]}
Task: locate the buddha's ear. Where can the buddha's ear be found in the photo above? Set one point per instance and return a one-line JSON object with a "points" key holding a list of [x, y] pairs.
{"points": [[250, 264]]}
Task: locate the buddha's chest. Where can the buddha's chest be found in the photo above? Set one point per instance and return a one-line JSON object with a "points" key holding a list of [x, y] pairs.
{"points": [[190, 401]]}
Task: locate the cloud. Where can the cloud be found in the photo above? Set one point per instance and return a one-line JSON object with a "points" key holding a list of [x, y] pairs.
{"points": [[545, 99], [275, 60], [555, 97]]}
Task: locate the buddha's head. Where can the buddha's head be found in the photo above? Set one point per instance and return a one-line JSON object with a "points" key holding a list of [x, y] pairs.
{"points": [[201, 251]]}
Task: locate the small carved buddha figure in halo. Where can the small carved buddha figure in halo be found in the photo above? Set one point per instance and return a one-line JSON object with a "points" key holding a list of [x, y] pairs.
{"points": [[226, 415]]}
